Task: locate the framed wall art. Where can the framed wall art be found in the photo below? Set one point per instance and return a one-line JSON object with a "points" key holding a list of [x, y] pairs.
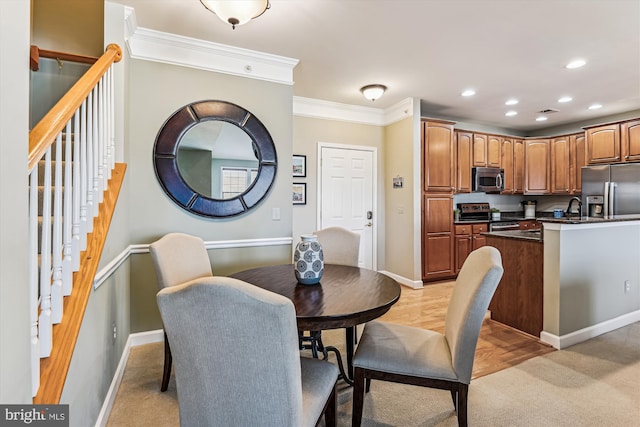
{"points": [[299, 193], [299, 165]]}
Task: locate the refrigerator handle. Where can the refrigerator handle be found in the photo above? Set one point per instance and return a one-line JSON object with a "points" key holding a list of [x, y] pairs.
{"points": [[606, 199], [612, 198]]}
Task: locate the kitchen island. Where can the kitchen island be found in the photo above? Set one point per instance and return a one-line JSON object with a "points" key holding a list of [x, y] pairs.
{"points": [[589, 276]]}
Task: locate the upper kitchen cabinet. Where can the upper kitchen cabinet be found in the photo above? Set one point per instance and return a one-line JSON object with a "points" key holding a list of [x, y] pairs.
{"points": [[487, 150], [603, 144], [507, 165], [518, 166], [438, 156], [631, 141], [464, 143], [537, 171], [577, 155], [560, 176]]}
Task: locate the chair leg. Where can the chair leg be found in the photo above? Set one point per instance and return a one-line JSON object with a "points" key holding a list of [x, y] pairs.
{"points": [[358, 397], [463, 391], [331, 412], [368, 386], [168, 359], [454, 397]]}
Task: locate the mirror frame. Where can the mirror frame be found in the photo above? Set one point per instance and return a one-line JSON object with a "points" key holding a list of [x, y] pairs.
{"points": [[165, 163]]}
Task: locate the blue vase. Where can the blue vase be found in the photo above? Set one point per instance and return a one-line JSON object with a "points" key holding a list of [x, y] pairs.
{"points": [[308, 260]]}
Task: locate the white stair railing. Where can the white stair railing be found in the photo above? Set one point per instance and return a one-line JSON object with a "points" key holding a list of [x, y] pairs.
{"points": [[69, 169]]}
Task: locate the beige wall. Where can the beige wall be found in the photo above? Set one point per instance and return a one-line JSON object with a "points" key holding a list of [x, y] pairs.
{"points": [[15, 369], [307, 133], [400, 202], [74, 26]]}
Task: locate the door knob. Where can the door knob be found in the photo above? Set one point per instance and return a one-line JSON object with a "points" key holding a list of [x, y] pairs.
{"points": [[369, 224]]}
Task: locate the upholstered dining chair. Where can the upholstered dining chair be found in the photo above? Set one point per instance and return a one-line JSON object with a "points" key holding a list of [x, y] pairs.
{"points": [[214, 325], [339, 245], [177, 258], [410, 355]]}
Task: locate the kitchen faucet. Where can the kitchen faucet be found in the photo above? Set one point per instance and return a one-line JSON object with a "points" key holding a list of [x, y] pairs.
{"points": [[574, 199]]}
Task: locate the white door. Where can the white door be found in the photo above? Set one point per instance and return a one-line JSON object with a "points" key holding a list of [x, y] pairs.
{"points": [[347, 194]]}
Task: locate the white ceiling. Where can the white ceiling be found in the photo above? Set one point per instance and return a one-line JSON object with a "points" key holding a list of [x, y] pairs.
{"points": [[434, 49]]}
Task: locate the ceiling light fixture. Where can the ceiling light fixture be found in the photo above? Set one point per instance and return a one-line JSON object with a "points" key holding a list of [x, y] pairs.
{"points": [[595, 106], [565, 99], [236, 12], [373, 92], [577, 63], [469, 92], [511, 102], [511, 113], [541, 119]]}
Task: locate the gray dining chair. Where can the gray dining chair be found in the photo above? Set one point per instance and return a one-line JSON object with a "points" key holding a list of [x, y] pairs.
{"points": [[410, 355], [215, 324], [339, 245], [177, 258]]}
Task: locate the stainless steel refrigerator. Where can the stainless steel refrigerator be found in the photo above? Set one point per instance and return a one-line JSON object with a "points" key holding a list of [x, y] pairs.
{"points": [[611, 189]]}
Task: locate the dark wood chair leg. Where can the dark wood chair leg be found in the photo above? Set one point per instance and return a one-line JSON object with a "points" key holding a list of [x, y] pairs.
{"points": [[358, 397], [463, 390], [454, 398], [168, 359], [368, 386], [331, 412]]}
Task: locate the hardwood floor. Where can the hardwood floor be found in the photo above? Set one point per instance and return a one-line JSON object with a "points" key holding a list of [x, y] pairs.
{"points": [[499, 346]]}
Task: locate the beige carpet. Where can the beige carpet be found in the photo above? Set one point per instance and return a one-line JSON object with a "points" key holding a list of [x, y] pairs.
{"points": [[595, 383]]}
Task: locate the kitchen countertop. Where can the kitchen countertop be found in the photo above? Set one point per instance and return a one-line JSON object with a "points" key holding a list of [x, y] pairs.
{"points": [[530, 235], [590, 220]]}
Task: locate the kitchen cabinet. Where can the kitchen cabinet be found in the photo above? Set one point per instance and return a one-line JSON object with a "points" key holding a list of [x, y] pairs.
{"points": [[560, 170], [479, 154], [631, 141], [507, 164], [464, 143], [494, 146], [518, 299], [577, 159], [518, 166], [437, 239], [603, 144], [468, 238], [529, 224], [537, 178], [438, 156]]}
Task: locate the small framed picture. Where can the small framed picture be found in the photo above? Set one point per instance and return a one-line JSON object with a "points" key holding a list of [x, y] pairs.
{"points": [[299, 165], [299, 193]]}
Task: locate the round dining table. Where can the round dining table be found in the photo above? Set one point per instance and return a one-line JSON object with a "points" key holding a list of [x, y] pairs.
{"points": [[345, 297]]}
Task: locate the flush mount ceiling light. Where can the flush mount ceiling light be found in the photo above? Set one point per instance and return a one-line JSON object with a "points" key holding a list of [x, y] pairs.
{"points": [[577, 63], [541, 119], [373, 92], [236, 12]]}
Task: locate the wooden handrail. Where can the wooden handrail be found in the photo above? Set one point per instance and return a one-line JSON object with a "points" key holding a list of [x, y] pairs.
{"points": [[36, 53], [44, 133]]}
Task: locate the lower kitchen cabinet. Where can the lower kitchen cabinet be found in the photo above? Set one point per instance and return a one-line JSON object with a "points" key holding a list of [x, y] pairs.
{"points": [[529, 224], [518, 300], [468, 238], [437, 238]]}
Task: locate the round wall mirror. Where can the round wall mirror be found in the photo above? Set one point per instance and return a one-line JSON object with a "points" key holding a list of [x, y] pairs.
{"points": [[215, 159]]}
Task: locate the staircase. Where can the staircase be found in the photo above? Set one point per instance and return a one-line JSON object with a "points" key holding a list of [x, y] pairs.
{"points": [[74, 183]]}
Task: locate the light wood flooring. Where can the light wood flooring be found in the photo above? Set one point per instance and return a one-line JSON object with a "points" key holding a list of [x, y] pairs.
{"points": [[499, 346]]}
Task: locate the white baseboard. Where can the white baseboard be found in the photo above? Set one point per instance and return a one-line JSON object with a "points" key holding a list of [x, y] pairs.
{"points": [[414, 284], [134, 340], [584, 334]]}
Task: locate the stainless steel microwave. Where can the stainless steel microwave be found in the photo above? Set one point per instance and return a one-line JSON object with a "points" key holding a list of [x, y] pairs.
{"points": [[487, 180]]}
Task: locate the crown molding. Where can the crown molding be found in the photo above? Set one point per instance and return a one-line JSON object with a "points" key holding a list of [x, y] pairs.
{"points": [[151, 45], [317, 108]]}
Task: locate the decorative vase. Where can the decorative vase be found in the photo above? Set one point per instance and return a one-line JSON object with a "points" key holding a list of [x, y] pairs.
{"points": [[308, 260]]}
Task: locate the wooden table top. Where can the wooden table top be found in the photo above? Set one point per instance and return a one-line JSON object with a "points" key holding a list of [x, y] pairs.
{"points": [[346, 296]]}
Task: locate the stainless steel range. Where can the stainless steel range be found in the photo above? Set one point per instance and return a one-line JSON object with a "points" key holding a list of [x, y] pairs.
{"points": [[470, 212]]}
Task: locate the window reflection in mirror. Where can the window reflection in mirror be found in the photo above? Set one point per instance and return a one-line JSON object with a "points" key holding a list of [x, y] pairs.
{"points": [[217, 159]]}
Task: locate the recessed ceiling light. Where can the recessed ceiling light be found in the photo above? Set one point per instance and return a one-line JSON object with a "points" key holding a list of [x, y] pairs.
{"points": [[595, 106], [511, 113], [577, 63], [541, 119], [565, 99], [511, 102], [469, 92]]}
